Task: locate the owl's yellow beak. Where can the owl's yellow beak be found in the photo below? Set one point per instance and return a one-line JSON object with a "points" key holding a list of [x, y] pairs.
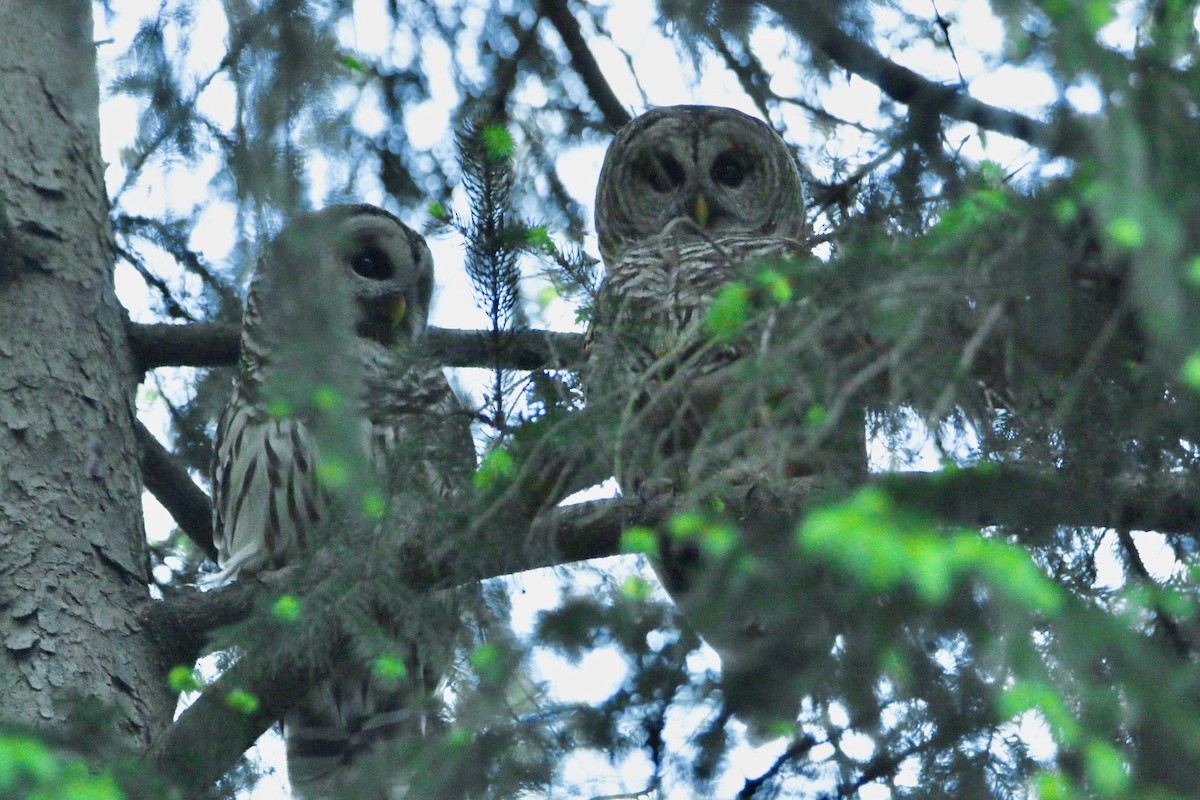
{"points": [[397, 311], [700, 211]]}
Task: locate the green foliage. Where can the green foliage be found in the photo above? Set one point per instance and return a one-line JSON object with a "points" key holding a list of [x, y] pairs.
{"points": [[326, 398], [29, 770], [639, 540], [1126, 232], [880, 544], [287, 608], [184, 679], [242, 701], [333, 472], [495, 467], [389, 668], [539, 238], [1189, 373], [352, 63], [438, 211], [374, 504], [729, 313], [497, 142]]}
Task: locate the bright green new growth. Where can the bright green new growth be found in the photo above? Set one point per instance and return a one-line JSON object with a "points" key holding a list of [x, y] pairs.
{"points": [[729, 313], [184, 679], [487, 662], [538, 237], [1126, 232], [389, 668], [497, 142], [29, 769], [639, 539], [332, 472], [326, 398], [287, 608], [242, 702], [1189, 373], [886, 547], [496, 465]]}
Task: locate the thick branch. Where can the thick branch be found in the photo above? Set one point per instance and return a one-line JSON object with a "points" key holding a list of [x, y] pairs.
{"points": [[973, 497], [591, 530], [1022, 496], [207, 344], [196, 758], [191, 753], [180, 625], [527, 349], [213, 345], [906, 86], [571, 533], [584, 63], [171, 485]]}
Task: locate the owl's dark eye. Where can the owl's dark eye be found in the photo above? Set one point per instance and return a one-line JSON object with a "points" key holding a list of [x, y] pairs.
{"points": [[372, 263], [730, 169], [660, 170]]}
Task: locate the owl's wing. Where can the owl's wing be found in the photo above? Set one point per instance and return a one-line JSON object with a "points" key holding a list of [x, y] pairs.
{"points": [[265, 495]]}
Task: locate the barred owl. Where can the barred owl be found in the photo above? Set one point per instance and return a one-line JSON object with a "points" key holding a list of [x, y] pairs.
{"points": [[359, 283], [690, 199], [687, 196]]}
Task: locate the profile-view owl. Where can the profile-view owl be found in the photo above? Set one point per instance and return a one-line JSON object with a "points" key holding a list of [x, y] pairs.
{"points": [[364, 280], [687, 196]]}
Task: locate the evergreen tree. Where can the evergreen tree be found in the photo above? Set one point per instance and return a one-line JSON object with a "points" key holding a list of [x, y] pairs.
{"points": [[1003, 606]]}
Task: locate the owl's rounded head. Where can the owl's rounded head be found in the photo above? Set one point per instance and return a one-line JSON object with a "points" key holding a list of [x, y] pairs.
{"points": [[714, 170], [383, 265]]}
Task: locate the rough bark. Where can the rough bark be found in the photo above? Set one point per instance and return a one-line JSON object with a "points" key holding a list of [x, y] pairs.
{"points": [[73, 565]]}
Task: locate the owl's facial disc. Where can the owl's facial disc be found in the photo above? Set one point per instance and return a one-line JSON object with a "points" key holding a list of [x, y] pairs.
{"points": [[696, 186]]}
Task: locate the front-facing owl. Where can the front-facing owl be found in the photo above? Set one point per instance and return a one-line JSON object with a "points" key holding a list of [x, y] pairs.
{"points": [[688, 195], [336, 308], [691, 199]]}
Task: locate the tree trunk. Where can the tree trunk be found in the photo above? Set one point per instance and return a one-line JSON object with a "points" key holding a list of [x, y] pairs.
{"points": [[73, 562]]}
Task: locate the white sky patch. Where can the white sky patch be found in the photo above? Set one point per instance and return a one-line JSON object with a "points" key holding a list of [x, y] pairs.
{"points": [[591, 775], [857, 745], [1084, 96], [1020, 89], [592, 680], [874, 791], [532, 593], [370, 28]]}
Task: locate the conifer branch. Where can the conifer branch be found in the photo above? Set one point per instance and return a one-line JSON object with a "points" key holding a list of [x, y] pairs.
{"points": [[211, 344], [584, 63], [188, 750], [906, 86], [171, 485], [973, 497]]}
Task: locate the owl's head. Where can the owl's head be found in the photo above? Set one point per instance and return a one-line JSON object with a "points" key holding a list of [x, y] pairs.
{"points": [[361, 251], [716, 169]]}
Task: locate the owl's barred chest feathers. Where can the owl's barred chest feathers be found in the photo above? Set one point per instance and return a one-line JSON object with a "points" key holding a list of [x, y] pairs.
{"points": [[655, 300], [268, 497], [670, 282]]}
